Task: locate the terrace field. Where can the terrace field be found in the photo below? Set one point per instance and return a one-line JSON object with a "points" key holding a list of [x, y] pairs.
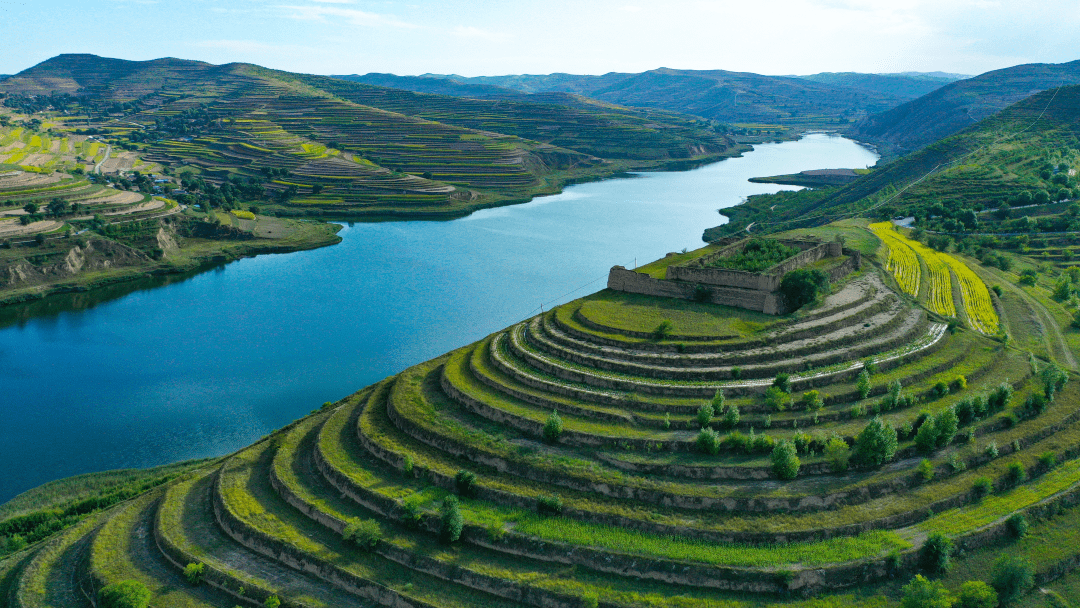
{"points": [[567, 461]]}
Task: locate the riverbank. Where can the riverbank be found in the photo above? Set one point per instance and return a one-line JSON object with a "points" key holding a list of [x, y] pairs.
{"points": [[83, 263]]}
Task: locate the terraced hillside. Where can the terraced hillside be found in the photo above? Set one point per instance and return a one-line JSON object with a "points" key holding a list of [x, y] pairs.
{"points": [[1030, 147], [346, 149], [585, 457]]}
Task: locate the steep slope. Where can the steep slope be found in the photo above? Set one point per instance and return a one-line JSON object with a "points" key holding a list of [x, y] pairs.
{"points": [[953, 107]]}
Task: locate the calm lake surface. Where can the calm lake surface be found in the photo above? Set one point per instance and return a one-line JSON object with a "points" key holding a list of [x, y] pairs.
{"points": [[186, 367]]}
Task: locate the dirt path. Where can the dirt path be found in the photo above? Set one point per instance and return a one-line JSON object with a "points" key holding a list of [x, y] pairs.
{"points": [[108, 152]]}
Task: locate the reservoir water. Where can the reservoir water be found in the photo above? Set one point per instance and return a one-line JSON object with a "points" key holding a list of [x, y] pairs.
{"points": [[199, 366]]}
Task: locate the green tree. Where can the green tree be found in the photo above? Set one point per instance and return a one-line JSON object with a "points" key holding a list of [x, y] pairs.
{"points": [[124, 594], [708, 441], [785, 461], [272, 602], [776, 398], [864, 384], [731, 416], [924, 593], [837, 452], [1013, 576], [365, 534], [977, 594], [802, 286], [553, 427], [876, 443], [718, 401], [936, 554], [193, 573], [946, 423], [31, 208], [782, 381], [452, 521], [705, 415], [812, 400]]}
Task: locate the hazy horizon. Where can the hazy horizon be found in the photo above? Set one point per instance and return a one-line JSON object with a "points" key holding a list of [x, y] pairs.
{"points": [[777, 37]]}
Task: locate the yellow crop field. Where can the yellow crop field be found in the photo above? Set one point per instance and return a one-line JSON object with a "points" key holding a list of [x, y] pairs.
{"points": [[977, 303], [902, 262], [939, 293]]}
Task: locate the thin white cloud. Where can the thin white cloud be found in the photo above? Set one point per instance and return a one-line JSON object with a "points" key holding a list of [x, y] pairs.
{"points": [[349, 15]]}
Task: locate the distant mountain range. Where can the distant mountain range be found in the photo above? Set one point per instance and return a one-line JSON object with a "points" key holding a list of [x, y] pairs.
{"points": [[819, 101]]}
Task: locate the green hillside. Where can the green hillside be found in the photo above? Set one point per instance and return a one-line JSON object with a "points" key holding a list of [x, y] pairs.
{"points": [[1029, 147], [348, 150], [956, 106], [905, 86]]}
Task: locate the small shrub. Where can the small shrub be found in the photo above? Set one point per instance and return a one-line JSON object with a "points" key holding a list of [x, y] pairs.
{"points": [[894, 563], [705, 415], [1017, 525], [812, 400], [1015, 474], [708, 441], [735, 441], [365, 534], [591, 599], [193, 573], [663, 330], [452, 521], [837, 452], [785, 462], [926, 437], [549, 504], [964, 411], [869, 366], [667, 420], [982, 488], [1047, 461], [782, 381], [411, 515], [925, 470], [776, 398], [1013, 576], [924, 593], [465, 482], [802, 442], [991, 449], [959, 384], [761, 444], [736, 373], [977, 594], [940, 389], [553, 428], [124, 594], [407, 466], [936, 554], [272, 602]]}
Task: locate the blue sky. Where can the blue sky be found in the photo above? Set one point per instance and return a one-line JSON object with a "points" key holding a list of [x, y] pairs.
{"points": [[483, 37]]}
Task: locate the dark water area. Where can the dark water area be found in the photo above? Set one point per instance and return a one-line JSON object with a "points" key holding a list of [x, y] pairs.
{"points": [[181, 367]]}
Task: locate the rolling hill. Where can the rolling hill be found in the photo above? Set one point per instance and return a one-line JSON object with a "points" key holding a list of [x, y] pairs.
{"points": [[355, 150], [955, 106]]}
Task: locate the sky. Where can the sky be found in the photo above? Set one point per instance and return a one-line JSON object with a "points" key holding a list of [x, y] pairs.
{"points": [[484, 37]]}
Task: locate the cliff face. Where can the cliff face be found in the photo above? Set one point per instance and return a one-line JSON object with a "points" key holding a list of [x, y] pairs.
{"points": [[96, 254]]}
